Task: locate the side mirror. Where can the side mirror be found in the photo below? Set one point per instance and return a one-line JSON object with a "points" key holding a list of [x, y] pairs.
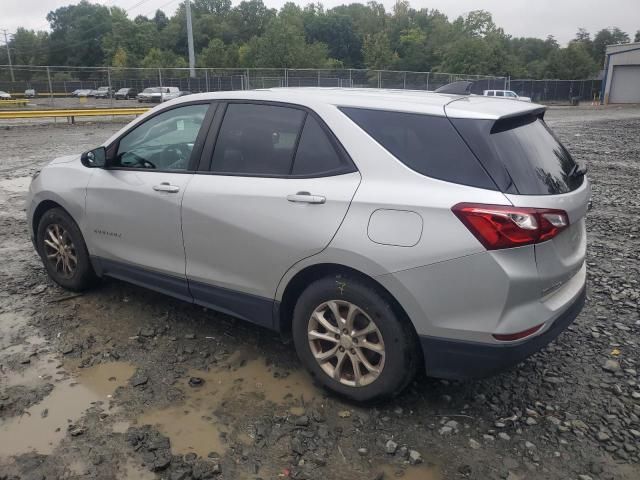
{"points": [[96, 158]]}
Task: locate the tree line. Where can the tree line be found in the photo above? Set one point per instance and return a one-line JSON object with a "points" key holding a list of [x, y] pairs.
{"points": [[347, 36]]}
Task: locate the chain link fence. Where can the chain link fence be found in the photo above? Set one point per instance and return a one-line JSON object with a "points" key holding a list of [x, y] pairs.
{"points": [[47, 80], [63, 81], [561, 91]]}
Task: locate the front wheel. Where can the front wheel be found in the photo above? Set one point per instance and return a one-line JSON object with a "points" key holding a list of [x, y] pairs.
{"points": [[348, 335], [63, 251]]}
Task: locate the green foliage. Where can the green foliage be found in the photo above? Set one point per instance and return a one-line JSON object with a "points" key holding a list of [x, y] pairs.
{"points": [[355, 35]]}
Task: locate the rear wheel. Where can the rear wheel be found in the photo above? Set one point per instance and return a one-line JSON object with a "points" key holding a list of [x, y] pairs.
{"points": [[348, 335], [63, 251]]}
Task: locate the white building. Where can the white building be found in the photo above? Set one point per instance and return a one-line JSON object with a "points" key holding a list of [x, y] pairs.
{"points": [[621, 82]]}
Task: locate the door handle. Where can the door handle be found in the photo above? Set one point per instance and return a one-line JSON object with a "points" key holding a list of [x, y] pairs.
{"points": [[306, 197], [166, 187]]}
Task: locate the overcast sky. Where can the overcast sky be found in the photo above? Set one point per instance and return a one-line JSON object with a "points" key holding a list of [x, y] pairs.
{"points": [[534, 18]]}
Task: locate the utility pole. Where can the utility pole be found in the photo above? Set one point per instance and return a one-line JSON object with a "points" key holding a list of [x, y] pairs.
{"points": [[6, 42], [192, 55]]}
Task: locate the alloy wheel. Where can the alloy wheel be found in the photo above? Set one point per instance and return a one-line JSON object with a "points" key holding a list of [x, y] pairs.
{"points": [[346, 343], [60, 251]]}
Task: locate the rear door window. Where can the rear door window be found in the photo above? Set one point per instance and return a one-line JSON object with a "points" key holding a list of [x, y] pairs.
{"points": [[522, 154], [316, 154], [426, 144]]}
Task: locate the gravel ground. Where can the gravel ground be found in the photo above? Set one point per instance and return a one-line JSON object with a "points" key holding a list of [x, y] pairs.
{"points": [[125, 383]]}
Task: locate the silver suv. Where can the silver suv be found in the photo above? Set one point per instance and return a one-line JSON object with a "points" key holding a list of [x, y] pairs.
{"points": [[385, 231]]}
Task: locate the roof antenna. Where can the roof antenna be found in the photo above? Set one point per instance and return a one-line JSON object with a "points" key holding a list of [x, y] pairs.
{"points": [[462, 87]]}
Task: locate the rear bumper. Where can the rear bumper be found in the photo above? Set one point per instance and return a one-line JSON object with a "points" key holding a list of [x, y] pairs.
{"points": [[458, 359]]}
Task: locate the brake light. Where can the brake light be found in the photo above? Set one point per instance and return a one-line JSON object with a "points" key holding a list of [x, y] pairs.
{"points": [[498, 226]]}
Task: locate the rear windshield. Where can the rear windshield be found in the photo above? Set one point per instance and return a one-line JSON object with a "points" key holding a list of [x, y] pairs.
{"points": [[427, 144], [522, 155]]}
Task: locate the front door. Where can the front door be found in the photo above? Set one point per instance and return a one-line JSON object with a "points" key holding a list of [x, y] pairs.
{"points": [[276, 192], [133, 206]]}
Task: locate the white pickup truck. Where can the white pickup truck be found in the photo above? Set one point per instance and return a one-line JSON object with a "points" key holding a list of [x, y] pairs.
{"points": [[505, 94], [158, 94]]}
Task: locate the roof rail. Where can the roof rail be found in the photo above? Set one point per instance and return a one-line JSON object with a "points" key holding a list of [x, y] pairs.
{"points": [[462, 87]]}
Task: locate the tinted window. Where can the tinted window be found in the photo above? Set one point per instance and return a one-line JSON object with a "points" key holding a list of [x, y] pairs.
{"points": [[536, 161], [427, 144], [316, 154], [163, 142], [499, 94], [257, 140], [510, 94]]}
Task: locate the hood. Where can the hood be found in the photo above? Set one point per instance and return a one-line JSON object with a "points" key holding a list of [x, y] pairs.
{"points": [[65, 159]]}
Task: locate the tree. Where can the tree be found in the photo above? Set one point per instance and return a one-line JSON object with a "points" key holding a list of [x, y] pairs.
{"points": [[377, 51], [338, 33], [607, 36], [637, 37], [572, 62]]}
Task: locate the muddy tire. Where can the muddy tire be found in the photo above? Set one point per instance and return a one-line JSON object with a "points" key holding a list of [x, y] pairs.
{"points": [[63, 251], [348, 335]]}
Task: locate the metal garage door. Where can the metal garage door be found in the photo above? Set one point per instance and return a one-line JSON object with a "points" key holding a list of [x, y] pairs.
{"points": [[625, 84]]}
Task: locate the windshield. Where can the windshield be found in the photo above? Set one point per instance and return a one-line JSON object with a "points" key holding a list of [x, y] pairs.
{"points": [[151, 90]]}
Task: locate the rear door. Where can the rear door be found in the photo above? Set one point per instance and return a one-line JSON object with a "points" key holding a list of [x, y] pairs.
{"points": [[274, 189]]}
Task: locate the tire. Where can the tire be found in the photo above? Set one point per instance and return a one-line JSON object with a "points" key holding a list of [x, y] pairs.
{"points": [[80, 274], [396, 369]]}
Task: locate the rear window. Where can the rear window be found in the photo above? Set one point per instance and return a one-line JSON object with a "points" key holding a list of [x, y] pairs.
{"points": [[522, 154], [426, 144]]}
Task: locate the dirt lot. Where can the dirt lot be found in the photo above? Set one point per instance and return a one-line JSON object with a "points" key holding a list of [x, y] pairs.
{"points": [[125, 383]]}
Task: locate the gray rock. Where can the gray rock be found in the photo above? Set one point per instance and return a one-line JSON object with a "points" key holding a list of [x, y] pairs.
{"points": [[611, 366], [390, 447], [504, 436], [302, 421], [474, 444], [414, 457], [602, 436], [363, 451]]}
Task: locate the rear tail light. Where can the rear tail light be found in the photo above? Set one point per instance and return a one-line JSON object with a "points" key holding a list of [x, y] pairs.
{"points": [[497, 226]]}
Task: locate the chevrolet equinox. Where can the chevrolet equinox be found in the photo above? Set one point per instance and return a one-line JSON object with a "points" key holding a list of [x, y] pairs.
{"points": [[382, 230]]}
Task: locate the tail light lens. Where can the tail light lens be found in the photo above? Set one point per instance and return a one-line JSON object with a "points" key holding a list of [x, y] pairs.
{"points": [[497, 226]]}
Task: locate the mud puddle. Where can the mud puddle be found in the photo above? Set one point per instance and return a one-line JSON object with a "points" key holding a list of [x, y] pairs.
{"points": [[43, 425], [205, 422], [418, 472]]}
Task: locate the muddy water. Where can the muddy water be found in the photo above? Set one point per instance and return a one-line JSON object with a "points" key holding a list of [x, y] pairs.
{"points": [[43, 425], [419, 472], [194, 425]]}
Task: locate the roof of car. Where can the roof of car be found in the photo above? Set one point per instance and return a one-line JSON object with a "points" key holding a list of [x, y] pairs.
{"points": [[411, 101]]}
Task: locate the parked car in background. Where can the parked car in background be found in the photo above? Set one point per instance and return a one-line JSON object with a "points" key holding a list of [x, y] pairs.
{"points": [[30, 93], [158, 94], [125, 94], [4, 95], [104, 92], [380, 229], [505, 94], [76, 92], [85, 92]]}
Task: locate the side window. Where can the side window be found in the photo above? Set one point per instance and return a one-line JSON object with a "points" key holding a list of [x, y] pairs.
{"points": [[257, 139], [427, 144], [491, 93], [316, 154], [510, 94], [164, 142], [499, 94]]}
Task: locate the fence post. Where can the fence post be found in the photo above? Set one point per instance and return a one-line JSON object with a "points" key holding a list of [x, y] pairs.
{"points": [[286, 77], [110, 90], [428, 80], [50, 86], [350, 79], [379, 79], [247, 83], [404, 81], [160, 77], [206, 78]]}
